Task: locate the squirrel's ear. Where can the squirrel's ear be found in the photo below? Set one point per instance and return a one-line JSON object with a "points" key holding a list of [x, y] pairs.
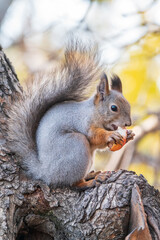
{"points": [[102, 89], [116, 83]]}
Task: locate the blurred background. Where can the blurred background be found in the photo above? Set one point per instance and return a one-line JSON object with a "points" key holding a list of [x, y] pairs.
{"points": [[33, 34]]}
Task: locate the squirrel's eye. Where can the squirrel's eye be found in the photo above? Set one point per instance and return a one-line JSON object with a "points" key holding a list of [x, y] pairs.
{"points": [[114, 108]]}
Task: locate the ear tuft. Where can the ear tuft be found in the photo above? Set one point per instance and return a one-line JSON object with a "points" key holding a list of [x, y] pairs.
{"points": [[104, 83], [102, 89], [116, 83]]}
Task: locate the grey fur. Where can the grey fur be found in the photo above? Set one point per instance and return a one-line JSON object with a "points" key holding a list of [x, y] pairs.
{"points": [[49, 126], [64, 144]]}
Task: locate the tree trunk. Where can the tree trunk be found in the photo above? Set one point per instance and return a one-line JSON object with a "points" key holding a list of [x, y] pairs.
{"points": [[122, 207]]}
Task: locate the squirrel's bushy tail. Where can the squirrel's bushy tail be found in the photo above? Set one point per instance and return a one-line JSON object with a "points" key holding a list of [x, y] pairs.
{"points": [[72, 80]]}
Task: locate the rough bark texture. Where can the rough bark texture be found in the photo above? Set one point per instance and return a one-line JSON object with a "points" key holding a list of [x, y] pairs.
{"points": [[31, 210]]}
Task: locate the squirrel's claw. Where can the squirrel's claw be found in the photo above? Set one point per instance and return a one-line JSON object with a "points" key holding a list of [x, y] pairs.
{"points": [[103, 176]]}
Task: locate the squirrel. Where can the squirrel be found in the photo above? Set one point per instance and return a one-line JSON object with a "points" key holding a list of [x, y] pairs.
{"points": [[55, 126]]}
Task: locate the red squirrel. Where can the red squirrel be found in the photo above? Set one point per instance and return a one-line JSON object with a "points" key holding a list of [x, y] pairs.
{"points": [[55, 127]]}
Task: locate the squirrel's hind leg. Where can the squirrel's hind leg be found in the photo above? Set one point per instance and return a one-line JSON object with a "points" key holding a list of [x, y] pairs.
{"points": [[93, 179], [92, 175]]}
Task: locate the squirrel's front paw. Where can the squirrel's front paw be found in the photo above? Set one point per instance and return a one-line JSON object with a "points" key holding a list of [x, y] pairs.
{"points": [[114, 138], [130, 135]]}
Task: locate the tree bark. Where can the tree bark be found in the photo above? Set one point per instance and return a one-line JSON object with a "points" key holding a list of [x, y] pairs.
{"points": [[122, 207]]}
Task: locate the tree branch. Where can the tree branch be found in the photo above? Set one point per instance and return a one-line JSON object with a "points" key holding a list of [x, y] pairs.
{"points": [[32, 210]]}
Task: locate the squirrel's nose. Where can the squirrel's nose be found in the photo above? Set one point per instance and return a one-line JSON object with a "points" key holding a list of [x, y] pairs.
{"points": [[128, 123]]}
